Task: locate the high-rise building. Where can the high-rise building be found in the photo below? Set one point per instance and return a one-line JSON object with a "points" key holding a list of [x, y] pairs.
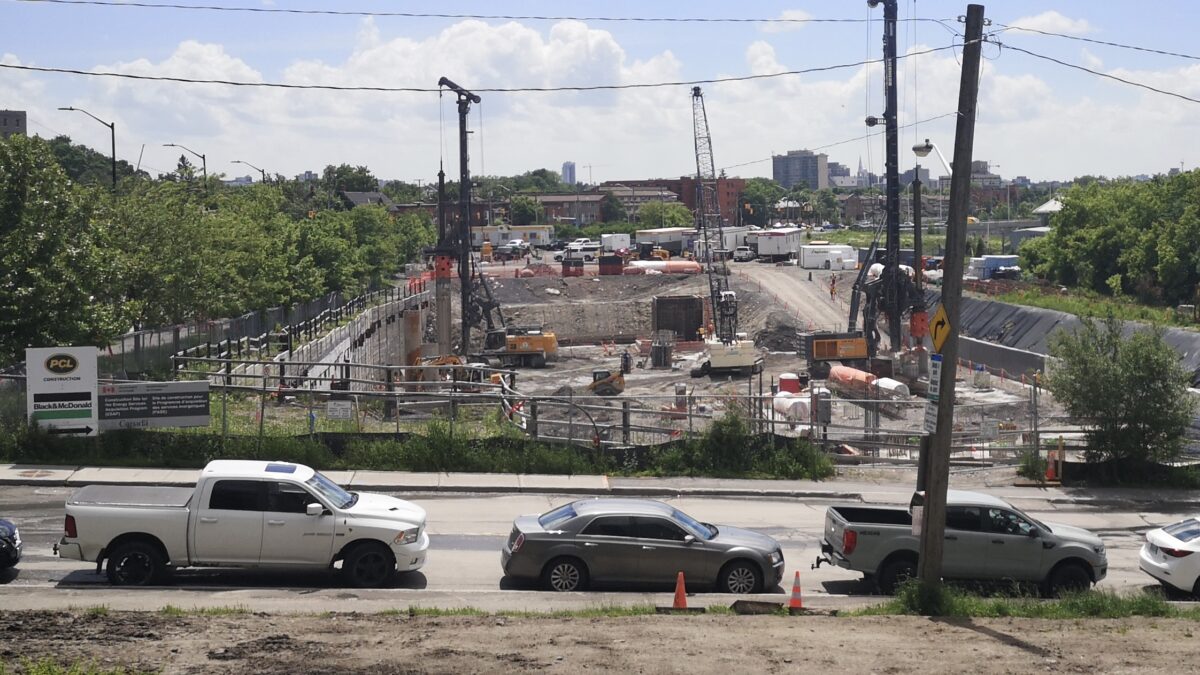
{"points": [[568, 173], [12, 122], [801, 166]]}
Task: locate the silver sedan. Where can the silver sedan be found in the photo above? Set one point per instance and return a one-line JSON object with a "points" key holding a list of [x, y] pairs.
{"points": [[639, 541]]}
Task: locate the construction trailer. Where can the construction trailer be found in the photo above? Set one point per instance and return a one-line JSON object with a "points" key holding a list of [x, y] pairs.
{"points": [[537, 236], [673, 239], [777, 244], [828, 257], [728, 239], [614, 242]]}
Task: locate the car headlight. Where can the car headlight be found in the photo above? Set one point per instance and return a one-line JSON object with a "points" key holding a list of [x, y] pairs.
{"points": [[775, 557], [407, 536]]}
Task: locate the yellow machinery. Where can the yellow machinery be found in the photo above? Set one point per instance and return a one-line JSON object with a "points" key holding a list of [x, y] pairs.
{"points": [[485, 252], [516, 346], [607, 383]]}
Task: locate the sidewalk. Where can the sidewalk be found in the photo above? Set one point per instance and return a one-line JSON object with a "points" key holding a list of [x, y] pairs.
{"points": [[889, 492]]}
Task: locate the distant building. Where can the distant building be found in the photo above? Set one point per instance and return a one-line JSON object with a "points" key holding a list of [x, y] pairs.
{"points": [[308, 177], [632, 198], [728, 191], [801, 167], [239, 181], [367, 198], [568, 173], [12, 122], [581, 208]]}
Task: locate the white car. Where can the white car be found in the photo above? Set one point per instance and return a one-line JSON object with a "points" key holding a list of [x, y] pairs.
{"points": [[1171, 554]]}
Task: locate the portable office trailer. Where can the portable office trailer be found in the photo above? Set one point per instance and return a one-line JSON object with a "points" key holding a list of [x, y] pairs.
{"points": [[828, 257]]}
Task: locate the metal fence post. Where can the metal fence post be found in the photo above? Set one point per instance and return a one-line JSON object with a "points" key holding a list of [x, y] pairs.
{"points": [[531, 425], [625, 422]]}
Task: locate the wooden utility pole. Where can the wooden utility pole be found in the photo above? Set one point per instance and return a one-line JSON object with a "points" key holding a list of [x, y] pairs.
{"points": [[937, 477]]}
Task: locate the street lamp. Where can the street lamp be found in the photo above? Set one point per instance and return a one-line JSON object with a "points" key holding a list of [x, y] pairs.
{"points": [[112, 127], [923, 150], [203, 160], [264, 173]]}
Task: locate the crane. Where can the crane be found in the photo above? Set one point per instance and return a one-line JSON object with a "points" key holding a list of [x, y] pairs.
{"points": [[726, 353]]}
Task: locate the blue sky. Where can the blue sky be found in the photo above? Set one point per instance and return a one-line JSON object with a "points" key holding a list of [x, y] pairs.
{"points": [[1036, 118]]}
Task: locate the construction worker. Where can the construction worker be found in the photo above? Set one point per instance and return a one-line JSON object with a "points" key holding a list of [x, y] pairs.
{"points": [[832, 287]]}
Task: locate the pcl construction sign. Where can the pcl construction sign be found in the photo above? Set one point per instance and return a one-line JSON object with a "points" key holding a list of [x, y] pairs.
{"points": [[60, 389]]}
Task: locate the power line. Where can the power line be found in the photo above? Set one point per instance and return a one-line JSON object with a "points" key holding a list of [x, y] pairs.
{"points": [[1101, 42], [433, 15], [334, 87], [1097, 73], [848, 140]]}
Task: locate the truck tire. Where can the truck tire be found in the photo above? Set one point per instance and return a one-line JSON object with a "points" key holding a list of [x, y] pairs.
{"points": [[893, 574], [369, 565], [1067, 578], [565, 575], [135, 563], [740, 577]]}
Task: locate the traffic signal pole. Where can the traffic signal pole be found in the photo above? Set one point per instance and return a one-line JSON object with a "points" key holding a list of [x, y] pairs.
{"points": [[937, 476]]}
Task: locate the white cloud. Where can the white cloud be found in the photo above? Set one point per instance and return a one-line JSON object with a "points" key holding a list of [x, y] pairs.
{"points": [[1054, 22], [1091, 60], [791, 20]]}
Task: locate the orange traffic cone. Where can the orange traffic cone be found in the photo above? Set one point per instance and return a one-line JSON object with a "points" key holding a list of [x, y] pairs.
{"points": [[796, 604], [680, 594], [1051, 474]]}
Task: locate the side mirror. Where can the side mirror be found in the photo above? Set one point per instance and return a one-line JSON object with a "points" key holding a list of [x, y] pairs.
{"points": [[314, 509], [1034, 533], [689, 539]]}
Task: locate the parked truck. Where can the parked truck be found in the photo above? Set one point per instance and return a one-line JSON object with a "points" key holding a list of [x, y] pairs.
{"points": [[244, 514], [987, 539]]}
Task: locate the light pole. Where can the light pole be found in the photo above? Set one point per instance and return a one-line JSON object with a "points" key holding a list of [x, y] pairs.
{"points": [[203, 161], [923, 150], [264, 173], [112, 128]]}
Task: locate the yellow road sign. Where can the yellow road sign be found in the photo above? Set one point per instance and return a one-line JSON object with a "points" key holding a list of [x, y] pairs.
{"points": [[939, 328]]}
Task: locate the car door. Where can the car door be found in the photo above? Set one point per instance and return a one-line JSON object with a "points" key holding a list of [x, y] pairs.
{"points": [[1013, 552], [290, 536], [610, 548], [965, 551], [228, 528], [665, 553]]}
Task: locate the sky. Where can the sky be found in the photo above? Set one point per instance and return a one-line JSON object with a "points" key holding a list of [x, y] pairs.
{"points": [[1035, 118]]}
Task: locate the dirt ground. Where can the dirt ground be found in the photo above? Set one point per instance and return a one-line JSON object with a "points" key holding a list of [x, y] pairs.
{"points": [[356, 643]]}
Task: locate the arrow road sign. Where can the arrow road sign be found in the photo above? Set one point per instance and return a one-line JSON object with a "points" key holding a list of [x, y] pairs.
{"points": [[939, 328]]}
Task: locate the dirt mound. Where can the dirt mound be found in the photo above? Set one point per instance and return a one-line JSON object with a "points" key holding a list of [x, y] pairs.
{"points": [[781, 334]]}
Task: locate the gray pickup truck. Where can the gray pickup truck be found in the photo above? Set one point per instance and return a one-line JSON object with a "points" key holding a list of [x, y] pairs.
{"points": [[987, 539]]}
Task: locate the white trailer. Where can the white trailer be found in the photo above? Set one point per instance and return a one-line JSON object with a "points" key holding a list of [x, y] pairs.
{"points": [[777, 244], [614, 242], [828, 257]]}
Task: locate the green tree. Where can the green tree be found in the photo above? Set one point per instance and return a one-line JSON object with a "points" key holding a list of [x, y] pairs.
{"points": [[55, 282], [1130, 392], [611, 209], [346, 178], [761, 194], [664, 214], [85, 165], [525, 210], [401, 192]]}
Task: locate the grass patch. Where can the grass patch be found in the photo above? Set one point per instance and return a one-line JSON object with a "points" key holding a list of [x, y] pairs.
{"points": [[600, 611], [1091, 304], [916, 599], [49, 666], [172, 610]]}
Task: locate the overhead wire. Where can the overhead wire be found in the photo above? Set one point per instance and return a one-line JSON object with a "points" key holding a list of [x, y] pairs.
{"points": [[334, 87], [1149, 50], [445, 15]]}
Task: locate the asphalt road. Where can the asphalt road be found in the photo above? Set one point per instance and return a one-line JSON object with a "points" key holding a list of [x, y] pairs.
{"points": [[463, 567]]}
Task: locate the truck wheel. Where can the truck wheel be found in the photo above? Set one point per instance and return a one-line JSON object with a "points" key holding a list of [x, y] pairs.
{"points": [[1068, 578], [565, 575], [135, 563], [369, 565], [740, 577], [895, 573]]}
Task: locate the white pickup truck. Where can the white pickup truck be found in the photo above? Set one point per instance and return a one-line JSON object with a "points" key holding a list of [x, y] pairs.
{"points": [[244, 514]]}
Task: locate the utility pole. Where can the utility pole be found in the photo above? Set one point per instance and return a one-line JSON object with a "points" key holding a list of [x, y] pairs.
{"points": [[443, 264], [937, 477], [465, 99]]}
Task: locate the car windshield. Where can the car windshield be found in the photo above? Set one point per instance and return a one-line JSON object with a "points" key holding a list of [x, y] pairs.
{"points": [[1028, 517], [556, 517], [331, 491], [697, 528]]}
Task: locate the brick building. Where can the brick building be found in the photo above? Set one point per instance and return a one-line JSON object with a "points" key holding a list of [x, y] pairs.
{"points": [[728, 191]]}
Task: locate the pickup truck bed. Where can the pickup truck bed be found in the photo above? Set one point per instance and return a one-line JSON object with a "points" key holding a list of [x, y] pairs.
{"points": [[115, 495]]}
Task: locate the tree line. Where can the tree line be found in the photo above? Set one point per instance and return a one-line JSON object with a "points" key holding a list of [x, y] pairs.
{"points": [[82, 264], [1124, 238]]}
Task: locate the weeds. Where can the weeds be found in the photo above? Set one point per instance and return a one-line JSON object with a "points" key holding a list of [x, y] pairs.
{"points": [[173, 611], [49, 666], [914, 598]]}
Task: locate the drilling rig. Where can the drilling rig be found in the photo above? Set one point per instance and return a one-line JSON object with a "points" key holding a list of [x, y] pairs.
{"points": [[728, 351]]}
